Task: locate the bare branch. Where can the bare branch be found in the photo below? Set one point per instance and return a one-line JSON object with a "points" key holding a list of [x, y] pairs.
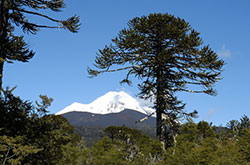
{"points": [[145, 118], [119, 69], [45, 26], [38, 14]]}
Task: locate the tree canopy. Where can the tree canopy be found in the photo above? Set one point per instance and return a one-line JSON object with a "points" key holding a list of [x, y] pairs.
{"points": [[197, 143], [28, 135], [168, 56]]}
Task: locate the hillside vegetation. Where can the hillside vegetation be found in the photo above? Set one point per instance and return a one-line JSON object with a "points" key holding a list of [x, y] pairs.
{"points": [[35, 137]]}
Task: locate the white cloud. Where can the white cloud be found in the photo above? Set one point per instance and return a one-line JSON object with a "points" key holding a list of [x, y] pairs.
{"points": [[209, 114], [146, 103], [224, 52]]}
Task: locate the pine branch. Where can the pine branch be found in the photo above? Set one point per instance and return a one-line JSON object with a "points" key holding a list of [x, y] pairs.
{"points": [[46, 26], [38, 14], [145, 118], [190, 91], [115, 70], [72, 23]]}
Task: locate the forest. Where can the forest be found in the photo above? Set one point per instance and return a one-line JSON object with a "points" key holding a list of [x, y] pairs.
{"points": [[31, 136], [163, 52]]}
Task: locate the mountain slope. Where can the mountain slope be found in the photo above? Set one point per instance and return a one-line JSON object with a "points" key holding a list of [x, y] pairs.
{"points": [[90, 126], [111, 109], [126, 117]]}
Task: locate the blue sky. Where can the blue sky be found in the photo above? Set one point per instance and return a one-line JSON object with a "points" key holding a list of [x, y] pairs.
{"points": [[59, 68]]}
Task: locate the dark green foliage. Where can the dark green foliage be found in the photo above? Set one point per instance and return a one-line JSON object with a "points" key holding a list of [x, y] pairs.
{"points": [[14, 113], [244, 122], [53, 134], [108, 152], [244, 144], [233, 125], [89, 134], [15, 13], [197, 144], [30, 136], [122, 145], [201, 144], [13, 150], [237, 128], [168, 56]]}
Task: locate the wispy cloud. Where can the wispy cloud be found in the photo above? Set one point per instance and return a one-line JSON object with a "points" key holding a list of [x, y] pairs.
{"points": [[209, 114], [146, 103], [224, 52]]}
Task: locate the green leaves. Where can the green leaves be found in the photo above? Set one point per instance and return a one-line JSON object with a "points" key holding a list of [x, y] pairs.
{"points": [[122, 145], [13, 150], [72, 24], [197, 143], [45, 103], [28, 135], [16, 49]]}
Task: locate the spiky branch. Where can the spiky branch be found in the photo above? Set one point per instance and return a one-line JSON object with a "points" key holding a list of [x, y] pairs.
{"points": [[15, 14], [168, 56]]}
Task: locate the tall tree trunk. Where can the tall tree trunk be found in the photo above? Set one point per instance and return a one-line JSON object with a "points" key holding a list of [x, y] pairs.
{"points": [[160, 95], [3, 36], [160, 108], [1, 74]]}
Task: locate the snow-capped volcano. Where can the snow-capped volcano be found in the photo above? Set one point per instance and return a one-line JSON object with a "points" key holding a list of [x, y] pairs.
{"points": [[111, 102]]}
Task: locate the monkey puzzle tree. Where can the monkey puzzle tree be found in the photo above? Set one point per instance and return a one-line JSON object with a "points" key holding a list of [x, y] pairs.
{"points": [[168, 56], [15, 13]]}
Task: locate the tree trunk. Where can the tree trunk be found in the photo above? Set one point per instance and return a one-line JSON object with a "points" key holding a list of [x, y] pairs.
{"points": [[160, 107], [160, 94], [3, 36], [1, 75]]}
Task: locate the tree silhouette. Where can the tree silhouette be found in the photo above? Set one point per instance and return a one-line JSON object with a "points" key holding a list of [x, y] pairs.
{"points": [[168, 56], [15, 13]]}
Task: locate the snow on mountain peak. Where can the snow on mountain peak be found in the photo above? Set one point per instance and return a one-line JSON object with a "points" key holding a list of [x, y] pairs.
{"points": [[73, 107], [111, 102]]}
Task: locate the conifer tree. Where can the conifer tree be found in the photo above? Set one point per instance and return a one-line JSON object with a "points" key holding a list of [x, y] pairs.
{"points": [[14, 13], [28, 135], [168, 56]]}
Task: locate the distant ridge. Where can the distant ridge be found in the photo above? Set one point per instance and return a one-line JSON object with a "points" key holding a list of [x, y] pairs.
{"points": [[90, 126], [124, 118]]}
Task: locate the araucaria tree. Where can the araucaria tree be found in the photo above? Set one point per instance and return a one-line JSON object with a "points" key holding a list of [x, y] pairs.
{"points": [[168, 56], [15, 13]]}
